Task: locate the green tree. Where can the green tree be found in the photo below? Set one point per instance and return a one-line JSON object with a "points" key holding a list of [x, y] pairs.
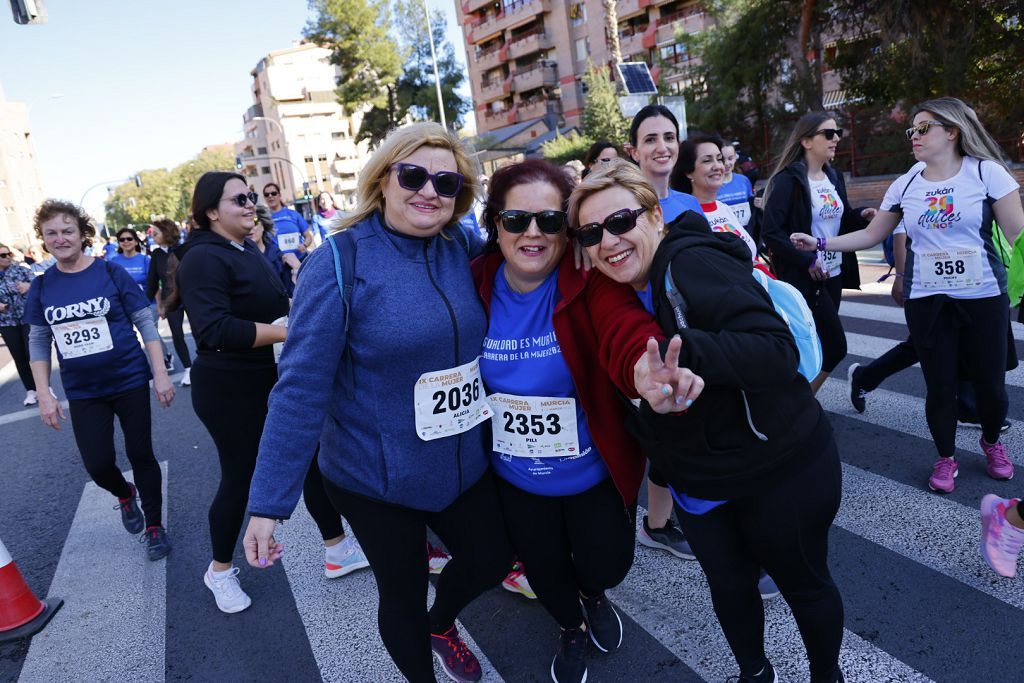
{"points": [[564, 148], [417, 91], [185, 175], [602, 119], [356, 33]]}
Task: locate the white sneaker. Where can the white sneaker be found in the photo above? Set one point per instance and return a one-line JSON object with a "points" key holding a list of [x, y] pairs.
{"points": [[186, 379], [31, 398], [227, 591], [344, 558]]}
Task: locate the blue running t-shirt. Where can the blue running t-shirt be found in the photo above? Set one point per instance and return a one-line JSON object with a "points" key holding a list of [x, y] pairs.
{"points": [[137, 267], [522, 357], [290, 228], [676, 203], [737, 193]]}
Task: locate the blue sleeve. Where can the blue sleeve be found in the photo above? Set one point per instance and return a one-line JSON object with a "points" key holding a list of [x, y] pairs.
{"points": [[298, 404], [131, 296]]}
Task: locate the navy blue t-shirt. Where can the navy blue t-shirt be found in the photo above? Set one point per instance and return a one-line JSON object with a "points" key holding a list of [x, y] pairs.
{"points": [[88, 313], [676, 203], [522, 357]]}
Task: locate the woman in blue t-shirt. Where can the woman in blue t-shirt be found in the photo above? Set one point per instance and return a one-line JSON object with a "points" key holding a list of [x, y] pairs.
{"points": [[559, 346], [89, 307], [132, 257]]}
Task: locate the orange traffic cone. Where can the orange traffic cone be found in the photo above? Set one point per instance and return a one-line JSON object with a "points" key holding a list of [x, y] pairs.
{"points": [[22, 614]]}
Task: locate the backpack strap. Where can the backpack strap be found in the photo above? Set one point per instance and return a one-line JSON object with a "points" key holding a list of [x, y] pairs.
{"points": [[675, 300], [344, 262], [462, 238]]}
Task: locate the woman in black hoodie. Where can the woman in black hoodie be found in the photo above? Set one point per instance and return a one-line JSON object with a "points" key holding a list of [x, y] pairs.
{"points": [[752, 464], [805, 194]]}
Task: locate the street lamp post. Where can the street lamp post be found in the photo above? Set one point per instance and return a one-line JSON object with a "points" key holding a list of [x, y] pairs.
{"points": [[433, 56]]}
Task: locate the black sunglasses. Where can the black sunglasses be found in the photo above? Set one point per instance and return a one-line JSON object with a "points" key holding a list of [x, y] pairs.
{"points": [[126, 239], [618, 223], [923, 128], [244, 197], [270, 194], [830, 133], [549, 222], [413, 177]]}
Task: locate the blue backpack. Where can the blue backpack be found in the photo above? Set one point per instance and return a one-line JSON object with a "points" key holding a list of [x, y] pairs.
{"points": [[788, 303]]}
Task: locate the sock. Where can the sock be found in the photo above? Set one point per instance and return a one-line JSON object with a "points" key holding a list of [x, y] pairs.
{"points": [[219, 575], [337, 552]]}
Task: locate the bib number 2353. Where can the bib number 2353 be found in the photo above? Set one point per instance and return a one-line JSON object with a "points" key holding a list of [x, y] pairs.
{"points": [[534, 426], [450, 401]]}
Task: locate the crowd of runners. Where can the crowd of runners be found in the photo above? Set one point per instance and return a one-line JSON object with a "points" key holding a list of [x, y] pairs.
{"points": [[512, 379]]}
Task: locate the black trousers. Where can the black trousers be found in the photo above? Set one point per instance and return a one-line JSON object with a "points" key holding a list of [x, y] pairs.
{"points": [[901, 357], [824, 307], [16, 339], [570, 544], [175, 319], [92, 420], [951, 335], [318, 504], [784, 529], [394, 540]]}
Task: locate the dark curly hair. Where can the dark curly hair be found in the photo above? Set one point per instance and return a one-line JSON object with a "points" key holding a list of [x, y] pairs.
{"points": [[57, 207], [169, 231], [529, 171], [687, 160]]}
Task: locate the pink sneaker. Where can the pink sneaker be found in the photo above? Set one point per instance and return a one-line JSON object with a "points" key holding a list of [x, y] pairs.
{"points": [[436, 558], [457, 660], [999, 465], [516, 582], [1000, 540], [944, 471]]}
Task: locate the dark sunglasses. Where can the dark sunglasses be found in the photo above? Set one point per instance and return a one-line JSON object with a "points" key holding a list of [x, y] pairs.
{"points": [[413, 177], [618, 223], [549, 222], [923, 128], [126, 239], [830, 133], [270, 194], [244, 197]]}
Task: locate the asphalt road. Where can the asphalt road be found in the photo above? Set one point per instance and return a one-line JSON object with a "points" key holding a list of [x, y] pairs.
{"points": [[920, 603]]}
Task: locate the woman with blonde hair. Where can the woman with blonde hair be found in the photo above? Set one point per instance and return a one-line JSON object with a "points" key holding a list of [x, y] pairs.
{"points": [[397, 408], [954, 282]]}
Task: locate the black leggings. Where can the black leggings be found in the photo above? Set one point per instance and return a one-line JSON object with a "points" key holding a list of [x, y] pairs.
{"points": [[394, 538], [232, 405], [784, 529], [16, 339], [175, 320], [92, 420], [951, 335], [570, 544], [824, 305]]}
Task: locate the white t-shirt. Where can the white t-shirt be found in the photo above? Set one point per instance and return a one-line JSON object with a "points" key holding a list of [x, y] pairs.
{"points": [[826, 216], [949, 230], [722, 218]]}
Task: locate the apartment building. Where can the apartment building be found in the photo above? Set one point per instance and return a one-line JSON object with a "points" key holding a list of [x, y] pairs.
{"points": [[21, 185], [296, 133], [526, 57]]}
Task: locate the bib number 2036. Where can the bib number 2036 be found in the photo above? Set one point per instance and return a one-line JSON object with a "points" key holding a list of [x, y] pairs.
{"points": [[456, 397]]}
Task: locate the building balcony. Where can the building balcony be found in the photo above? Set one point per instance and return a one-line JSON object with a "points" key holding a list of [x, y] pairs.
{"points": [[627, 8], [529, 44], [470, 6], [537, 108], [497, 119], [535, 77], [518, 12], [490, 58], [631, 42], [687, 21], [252, 112], [491, 90]]}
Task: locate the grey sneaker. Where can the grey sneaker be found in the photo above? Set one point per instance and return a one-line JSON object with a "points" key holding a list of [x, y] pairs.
{"points": [[669, 538], [131, 515], [766, 586]]}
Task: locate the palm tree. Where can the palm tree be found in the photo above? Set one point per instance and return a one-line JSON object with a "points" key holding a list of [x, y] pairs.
{"points": [[611, 31]]}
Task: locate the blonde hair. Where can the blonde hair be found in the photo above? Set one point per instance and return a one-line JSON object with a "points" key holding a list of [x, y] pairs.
{"points": [[615, 172], [399, 144], [973, 139], [793, 150]]}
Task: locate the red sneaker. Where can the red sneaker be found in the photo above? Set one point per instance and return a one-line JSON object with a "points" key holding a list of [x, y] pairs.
{"points": [[458, 662]]}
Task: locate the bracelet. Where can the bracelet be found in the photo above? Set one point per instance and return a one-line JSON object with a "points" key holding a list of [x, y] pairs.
{"points": [[899, 275], [818, 244]]}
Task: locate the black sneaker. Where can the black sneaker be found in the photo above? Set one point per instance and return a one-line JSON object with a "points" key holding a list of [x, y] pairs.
{"points": [[568, 666], [767, 675], [974, 422], [131, 515], [668, 538], [157, 545], [169, 363], [603, 622], [857, 393]]}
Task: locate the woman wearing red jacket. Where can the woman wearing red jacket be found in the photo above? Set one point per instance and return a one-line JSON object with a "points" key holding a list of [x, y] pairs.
{"points": [[558, 347]]}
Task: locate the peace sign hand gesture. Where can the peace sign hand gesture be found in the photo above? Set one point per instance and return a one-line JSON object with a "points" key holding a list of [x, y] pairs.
{"points": [[663, 384]]}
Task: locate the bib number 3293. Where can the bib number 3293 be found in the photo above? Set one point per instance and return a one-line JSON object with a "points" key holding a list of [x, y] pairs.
{"points": [[953, 269], [534, 426], [82, 337], [450, 402]]}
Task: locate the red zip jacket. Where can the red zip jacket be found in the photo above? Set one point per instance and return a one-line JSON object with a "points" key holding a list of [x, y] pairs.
{"points": [[602, 329]]}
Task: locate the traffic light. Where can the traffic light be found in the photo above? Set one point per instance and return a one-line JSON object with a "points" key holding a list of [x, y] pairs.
{"points": [[238, 163], [138, 180], [28, 11]]}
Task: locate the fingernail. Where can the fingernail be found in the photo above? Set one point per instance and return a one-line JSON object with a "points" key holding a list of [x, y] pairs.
{"points": [[665, 391], [263, 562], [676, 336], [689, 402], [679, 399], [650, 339]]}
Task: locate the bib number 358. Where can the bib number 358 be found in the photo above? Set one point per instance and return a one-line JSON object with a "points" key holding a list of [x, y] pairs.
{"points": [[953, 269], [450, 402]]}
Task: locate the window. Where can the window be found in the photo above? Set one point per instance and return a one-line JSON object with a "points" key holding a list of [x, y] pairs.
{"points": [[308, 159], [265, 170], [321, 157], [578, 14], [582, 49], [337, 135], [261, 150], [674, 54]]}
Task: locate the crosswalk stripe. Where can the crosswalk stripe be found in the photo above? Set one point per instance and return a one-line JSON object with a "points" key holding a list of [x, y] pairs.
{"points": [[894, 314], [669, 598], [112, 626], [340, 616]]}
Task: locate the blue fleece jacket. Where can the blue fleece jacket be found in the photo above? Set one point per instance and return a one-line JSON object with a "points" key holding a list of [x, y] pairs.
{"points": [[414, 309]]}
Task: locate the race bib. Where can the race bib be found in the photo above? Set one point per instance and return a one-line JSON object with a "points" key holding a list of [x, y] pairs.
{"points": [[450, 401], [742, 212], [82, 337], [953, 269], [279, 346], [534, 426], [831, 262], [289, 241]]}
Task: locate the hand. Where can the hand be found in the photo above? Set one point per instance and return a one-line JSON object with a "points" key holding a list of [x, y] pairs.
{"points": [[302, 249], [295, 276], [759, 202], [23, 287], [50, 409], [261, 550], [581, 257], [803, 242], [663, 384], [163, 388], [868, 213], [897, 290], [818, 274]]}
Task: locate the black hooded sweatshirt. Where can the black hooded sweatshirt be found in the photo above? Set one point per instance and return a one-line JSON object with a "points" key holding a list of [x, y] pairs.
{"points": [[756, 420]]}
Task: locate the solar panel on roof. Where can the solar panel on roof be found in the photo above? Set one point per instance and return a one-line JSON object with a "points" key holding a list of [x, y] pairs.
{"points": [[636, 77]]}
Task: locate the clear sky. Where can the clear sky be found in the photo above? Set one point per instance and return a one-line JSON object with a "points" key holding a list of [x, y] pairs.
{"points": [[116, 86]]}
